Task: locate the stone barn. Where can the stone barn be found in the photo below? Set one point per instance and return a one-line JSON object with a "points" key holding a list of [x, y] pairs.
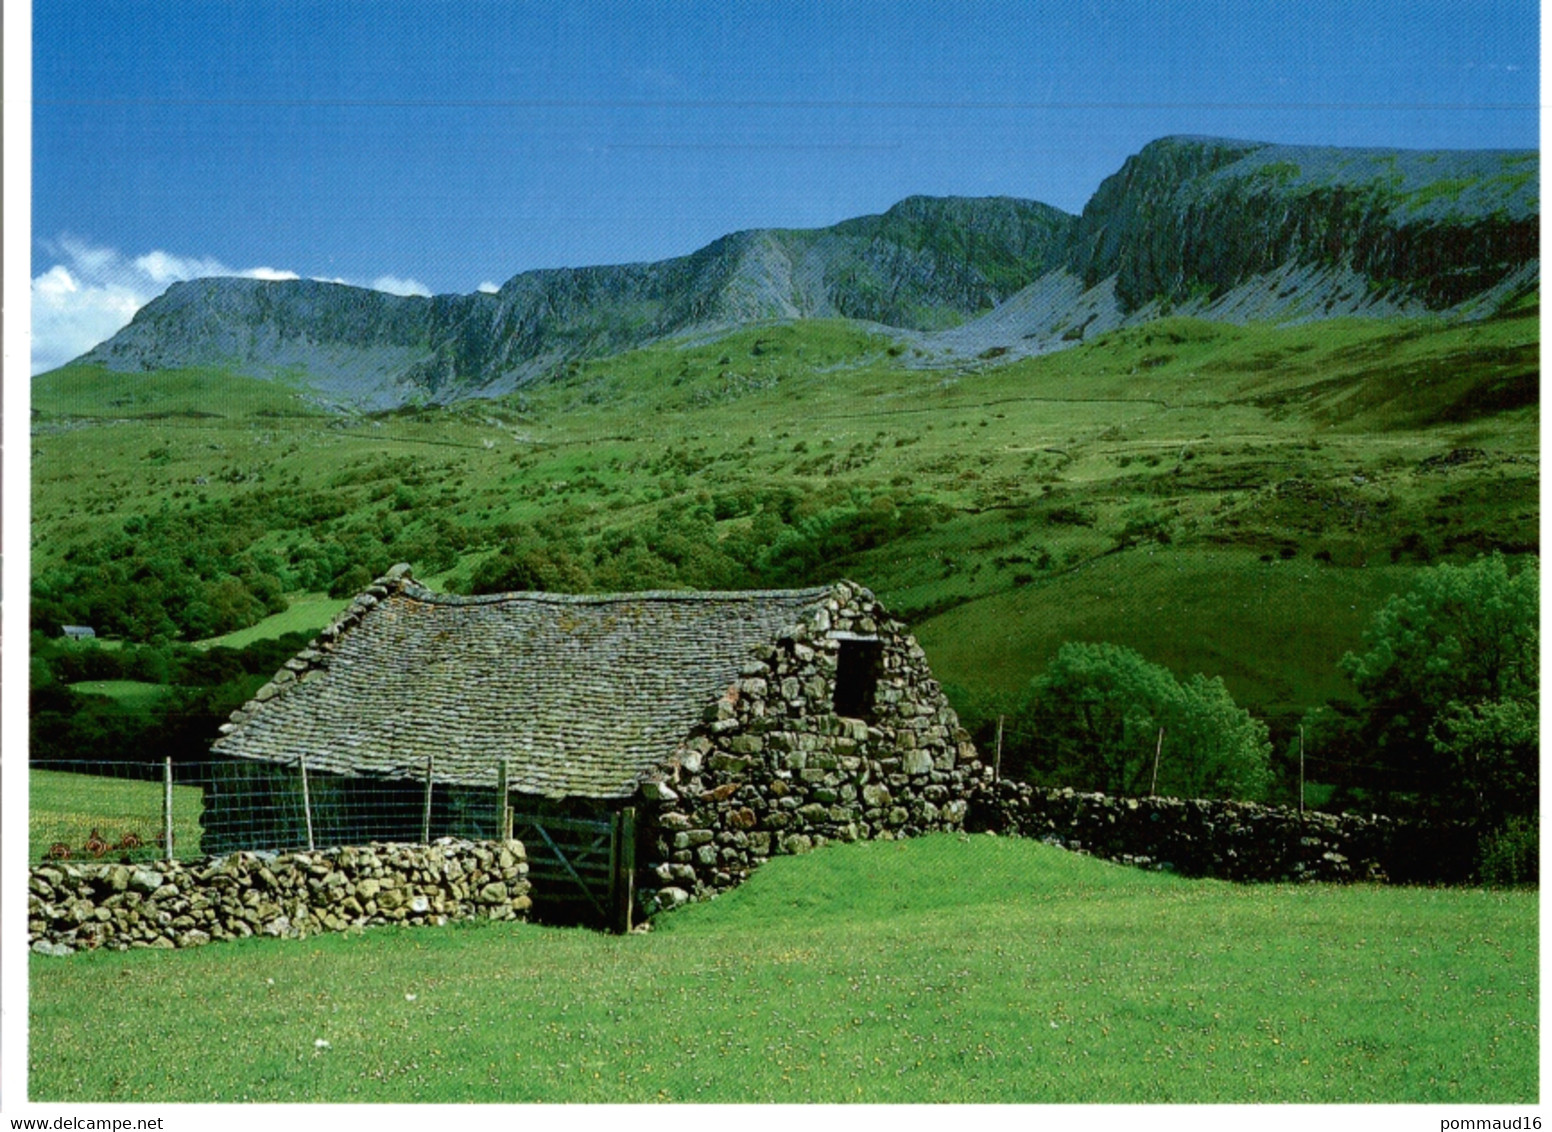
{"points": [[648, 748]]}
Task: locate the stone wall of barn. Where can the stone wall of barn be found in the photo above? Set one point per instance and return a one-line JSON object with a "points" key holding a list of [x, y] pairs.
{"points": [[73, 906], [772, 769], [1239, 841]]}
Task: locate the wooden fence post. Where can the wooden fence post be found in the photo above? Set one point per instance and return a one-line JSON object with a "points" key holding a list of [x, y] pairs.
{"points": [[622, 866], [997, 759], [425, 820], [1153, 790], [503, 830], [167, 805], [1301, 771], [307, 802]]}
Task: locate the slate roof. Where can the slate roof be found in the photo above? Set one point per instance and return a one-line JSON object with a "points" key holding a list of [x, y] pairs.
{"points": [[583, 694]]}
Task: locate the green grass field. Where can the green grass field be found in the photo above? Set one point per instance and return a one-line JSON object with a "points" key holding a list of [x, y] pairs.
{"points": [[306, 613], [130, 693], [944, 969], [64, 808]]}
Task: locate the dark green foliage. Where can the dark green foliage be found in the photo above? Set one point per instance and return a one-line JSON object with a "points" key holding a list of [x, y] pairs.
{"points": [[1447, 720], [1448, 686], [790, 540], [1511, 855], [1092, 721], [207, 686], [816, 548], [198, 573]]}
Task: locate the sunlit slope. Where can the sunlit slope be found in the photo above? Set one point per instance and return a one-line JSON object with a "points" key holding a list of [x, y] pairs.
{"points": [[1228, 499]]}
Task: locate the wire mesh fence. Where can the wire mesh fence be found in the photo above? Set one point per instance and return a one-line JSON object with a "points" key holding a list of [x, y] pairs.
{"points": [[99, 809]]}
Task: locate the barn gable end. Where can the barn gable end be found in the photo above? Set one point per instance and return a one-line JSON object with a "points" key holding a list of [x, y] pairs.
{"points": [[778, 766]]}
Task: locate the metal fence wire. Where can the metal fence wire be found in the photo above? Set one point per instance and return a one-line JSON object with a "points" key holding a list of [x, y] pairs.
{"points": [[91, 809]]}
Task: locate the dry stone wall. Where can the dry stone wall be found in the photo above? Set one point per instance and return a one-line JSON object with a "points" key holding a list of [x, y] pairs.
{"points": [[72, 906], [1239, 841], [772, 769]]}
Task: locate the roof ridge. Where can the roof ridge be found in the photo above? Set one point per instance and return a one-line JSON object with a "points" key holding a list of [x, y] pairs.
{"points": [[414, 590]]}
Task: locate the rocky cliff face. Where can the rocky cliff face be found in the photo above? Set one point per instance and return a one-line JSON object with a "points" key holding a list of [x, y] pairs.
{"points": [[1197, 217], [1246, 231], [1220, 229], [924, 264]]}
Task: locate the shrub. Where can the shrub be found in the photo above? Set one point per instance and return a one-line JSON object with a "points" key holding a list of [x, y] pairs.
{"points": [[1091, 721], [1511, 854], [1450, 689]]}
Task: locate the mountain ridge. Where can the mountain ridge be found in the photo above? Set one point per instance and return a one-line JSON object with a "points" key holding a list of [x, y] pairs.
{"points": [[1225, 229]]}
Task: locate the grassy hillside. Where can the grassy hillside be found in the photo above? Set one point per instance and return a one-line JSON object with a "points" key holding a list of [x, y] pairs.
{"points": [[1234, 500], [944, 969]]}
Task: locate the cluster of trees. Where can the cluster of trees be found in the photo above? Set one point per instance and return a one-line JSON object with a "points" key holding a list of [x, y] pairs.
{"points": [[790, 539], [202, 688], [1103, 718], [1445, 719], [195, 574], [1443, 724], [192, 575]]}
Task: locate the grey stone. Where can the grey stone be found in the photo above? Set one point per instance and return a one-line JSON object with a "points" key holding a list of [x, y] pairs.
{"points": [[874, 794], [658, 792]]}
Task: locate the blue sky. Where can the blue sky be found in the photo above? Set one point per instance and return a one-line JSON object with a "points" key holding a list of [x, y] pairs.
{"points": [[440, 147]]}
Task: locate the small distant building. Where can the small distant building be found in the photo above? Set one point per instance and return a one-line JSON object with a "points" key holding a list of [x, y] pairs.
{"points": [[79, 632], [672, 741]]}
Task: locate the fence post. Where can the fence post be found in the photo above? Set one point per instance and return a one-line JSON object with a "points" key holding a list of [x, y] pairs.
{"points": [[307, 802], [1153, 790], [425, 821], [1301, 772], [622, 866], [503, 833], [997, 759], [167, 805]]}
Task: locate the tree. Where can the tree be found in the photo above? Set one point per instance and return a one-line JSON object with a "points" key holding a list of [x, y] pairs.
{"points": [[1092, 721], [1492, 748], [1216, 748], [1449, 682]]}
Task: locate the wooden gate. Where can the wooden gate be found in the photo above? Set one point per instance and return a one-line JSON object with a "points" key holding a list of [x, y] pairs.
{"points": [[587, 864]]}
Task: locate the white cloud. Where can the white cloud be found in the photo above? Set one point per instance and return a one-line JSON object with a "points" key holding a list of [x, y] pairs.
{"points": [[489, 288], [273, 274], [70, 314], [90, 292], [396, 286], [160, 267]]}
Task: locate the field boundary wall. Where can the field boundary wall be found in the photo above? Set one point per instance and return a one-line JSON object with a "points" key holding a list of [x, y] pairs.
{"points": [[74, 905], [1241, 841]]}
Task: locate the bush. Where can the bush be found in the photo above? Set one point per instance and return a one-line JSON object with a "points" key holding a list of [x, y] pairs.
{"points": [[1092, 720], [1511, 854], [1450, 692]]}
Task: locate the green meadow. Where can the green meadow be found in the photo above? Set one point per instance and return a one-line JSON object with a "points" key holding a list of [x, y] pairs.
{"points": [[128, 692], [944, 969]]}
